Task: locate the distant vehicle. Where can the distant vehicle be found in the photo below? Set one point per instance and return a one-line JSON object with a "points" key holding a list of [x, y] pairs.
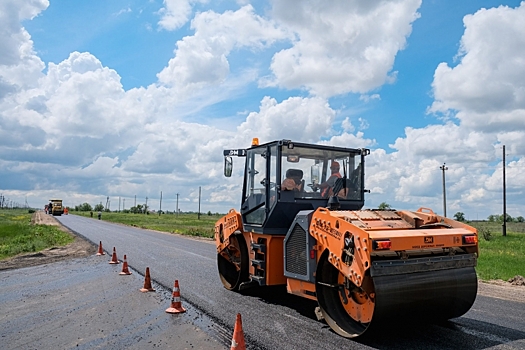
{"points": [[56, 207]]}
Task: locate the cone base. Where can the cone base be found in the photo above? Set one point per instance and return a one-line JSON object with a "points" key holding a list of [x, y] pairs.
{"points": [[114, 262], [125, 273], [175, 310], [145, 290], [101, 254]]}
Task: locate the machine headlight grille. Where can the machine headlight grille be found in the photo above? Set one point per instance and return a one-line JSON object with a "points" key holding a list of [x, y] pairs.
{"points": [[296, 257]]}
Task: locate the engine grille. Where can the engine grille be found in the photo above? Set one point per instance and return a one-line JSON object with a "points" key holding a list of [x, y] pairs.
{"points": [[296, 258]]}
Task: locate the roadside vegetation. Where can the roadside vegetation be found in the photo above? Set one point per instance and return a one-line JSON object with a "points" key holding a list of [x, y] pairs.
{"points": [[184, 223], [501, 257], [18, 235]]}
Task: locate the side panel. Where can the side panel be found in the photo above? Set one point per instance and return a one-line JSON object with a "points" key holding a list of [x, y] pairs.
{"points": [[225, 227], [266, 258], [301, 288]]}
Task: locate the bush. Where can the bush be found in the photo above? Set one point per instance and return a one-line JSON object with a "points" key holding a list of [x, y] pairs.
{"points": [[485, 233], [31, 211]]}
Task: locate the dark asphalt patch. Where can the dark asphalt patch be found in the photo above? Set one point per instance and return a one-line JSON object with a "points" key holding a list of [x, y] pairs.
{"points": [[85, 303]]}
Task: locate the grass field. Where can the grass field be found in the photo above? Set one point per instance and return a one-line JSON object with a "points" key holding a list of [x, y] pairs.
{"points": [[18, 235], [186, 224], [500, 257]]}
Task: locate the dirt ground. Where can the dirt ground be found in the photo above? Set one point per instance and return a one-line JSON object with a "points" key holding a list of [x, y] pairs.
{"points": [[513, 289]]}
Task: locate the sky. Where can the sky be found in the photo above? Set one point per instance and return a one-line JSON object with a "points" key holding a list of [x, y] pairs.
{"points": [[128, 99]]}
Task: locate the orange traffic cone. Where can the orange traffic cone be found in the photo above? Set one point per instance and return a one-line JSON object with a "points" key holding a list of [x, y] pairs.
{"points": [[125, 269], [238, 335], [176, 306], [100, 250], [147, 283], [114, 259]]}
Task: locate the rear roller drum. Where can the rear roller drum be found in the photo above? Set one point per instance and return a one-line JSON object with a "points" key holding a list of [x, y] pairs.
{"points": [[233, 263]]}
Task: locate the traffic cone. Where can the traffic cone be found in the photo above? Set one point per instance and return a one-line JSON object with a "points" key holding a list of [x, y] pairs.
{"points": [[238, 335], [114, 259], [125, 269], [100, 250], [147, 283], [176, 306]]}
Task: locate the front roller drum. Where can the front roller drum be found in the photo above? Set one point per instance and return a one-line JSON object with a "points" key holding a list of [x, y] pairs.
{"points": [[233, 263], [424, 296], [347, 309]]}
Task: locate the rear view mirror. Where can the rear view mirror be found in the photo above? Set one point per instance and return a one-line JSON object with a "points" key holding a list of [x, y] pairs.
{"points": [[292, 159], [314, 173], [228, 166]]}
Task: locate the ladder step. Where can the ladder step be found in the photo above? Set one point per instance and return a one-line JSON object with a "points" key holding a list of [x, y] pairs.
{"points": [[259, 247], [261, 280], [257, 262]]}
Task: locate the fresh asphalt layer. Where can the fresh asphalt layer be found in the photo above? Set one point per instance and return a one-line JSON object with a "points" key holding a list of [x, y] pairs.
{"points": [[85, 304]]}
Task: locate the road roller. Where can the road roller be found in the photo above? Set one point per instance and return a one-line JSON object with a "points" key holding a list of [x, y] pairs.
{"points": [[301, 225]]}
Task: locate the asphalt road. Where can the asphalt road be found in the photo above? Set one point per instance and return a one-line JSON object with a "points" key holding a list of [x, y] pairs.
{"points": [[273, 319], [85, 304]]}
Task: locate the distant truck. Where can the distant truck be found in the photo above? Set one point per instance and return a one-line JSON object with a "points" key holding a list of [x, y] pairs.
{"points": [[55, 207]]}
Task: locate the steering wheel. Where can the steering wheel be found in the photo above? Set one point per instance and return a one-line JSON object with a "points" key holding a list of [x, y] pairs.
{"points": [[314, 188], [263, 182]]}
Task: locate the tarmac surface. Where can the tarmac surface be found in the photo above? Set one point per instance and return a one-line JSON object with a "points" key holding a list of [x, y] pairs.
{"points": [[85, 304]]}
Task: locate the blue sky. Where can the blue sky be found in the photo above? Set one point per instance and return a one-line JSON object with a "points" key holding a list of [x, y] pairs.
{"points": [[126, 97]]}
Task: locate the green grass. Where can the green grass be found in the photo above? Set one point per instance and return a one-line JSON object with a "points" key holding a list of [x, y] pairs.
{"points": [[186, 224], [18, 235], [501, 257]]}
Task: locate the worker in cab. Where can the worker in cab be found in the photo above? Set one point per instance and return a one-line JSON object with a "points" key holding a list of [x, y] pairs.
{"points": [[293, 181], [330, 182]]}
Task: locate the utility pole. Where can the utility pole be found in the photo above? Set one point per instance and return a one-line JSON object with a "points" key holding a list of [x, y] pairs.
{"points": [[443, 168], [177, 204], [160, 206], [123, 204], [135, 201], [119, 204], [199, 214], [146, 207], [504, 227]]}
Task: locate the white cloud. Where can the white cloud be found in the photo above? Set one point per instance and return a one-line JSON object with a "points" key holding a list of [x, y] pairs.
{"points": [[14, 40], [19, 65], [201, 60], [487, 87], [348, 46], [176, 13], [296, 118]]}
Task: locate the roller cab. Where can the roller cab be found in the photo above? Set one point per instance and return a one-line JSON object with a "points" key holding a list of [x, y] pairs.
{"points": [[301, 224]]}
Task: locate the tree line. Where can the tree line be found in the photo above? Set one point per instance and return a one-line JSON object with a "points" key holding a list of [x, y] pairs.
{"points": [[138, 209]]}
